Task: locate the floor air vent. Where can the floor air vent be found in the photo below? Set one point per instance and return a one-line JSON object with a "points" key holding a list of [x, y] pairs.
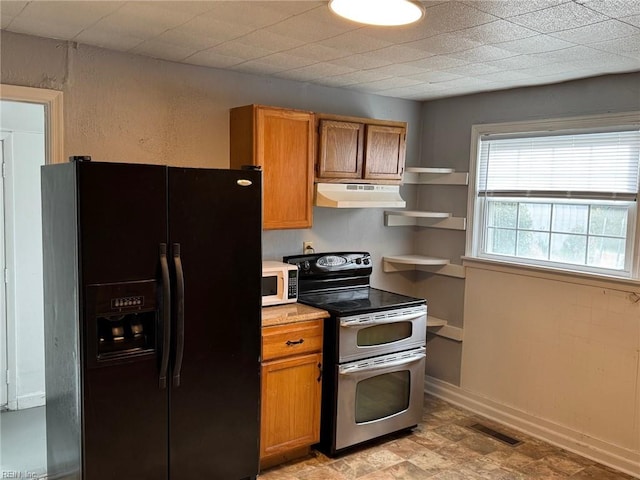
{"points": [[495, 434]]}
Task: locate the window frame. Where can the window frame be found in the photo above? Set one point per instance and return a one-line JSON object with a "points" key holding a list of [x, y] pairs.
{"points": [[476, 233]]}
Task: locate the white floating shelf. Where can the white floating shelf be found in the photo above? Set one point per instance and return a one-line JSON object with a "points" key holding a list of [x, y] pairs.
{"points": [[402, 218], [439, 266], [435, 322], [441, 328], [434, 176]]}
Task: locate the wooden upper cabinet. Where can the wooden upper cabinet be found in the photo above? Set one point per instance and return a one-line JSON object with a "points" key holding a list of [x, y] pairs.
{"points": [[385, 152], [340, 154], [282, 142], [360, 150]]}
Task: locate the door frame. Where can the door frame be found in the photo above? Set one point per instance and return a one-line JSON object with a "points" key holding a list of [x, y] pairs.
{"points": [[54, 153]]}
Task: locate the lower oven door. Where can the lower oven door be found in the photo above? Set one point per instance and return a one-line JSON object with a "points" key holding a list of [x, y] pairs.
{"points": [[379, 333], [378, 396]]}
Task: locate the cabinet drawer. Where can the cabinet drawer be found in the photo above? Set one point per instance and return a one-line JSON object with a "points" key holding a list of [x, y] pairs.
{"points": [[291, 339]]}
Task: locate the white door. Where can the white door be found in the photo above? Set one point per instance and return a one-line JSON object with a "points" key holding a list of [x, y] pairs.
{"points": [[22, 131], [3, 295]]}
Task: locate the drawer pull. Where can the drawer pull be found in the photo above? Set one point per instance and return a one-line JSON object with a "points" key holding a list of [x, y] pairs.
{"points": [[297, 342]]}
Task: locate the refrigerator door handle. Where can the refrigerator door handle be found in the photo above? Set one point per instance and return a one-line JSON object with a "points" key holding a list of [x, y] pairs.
{"points": [[179, 314], [166, 316]]}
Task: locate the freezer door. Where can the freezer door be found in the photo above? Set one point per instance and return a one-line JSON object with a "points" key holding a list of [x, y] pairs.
{"points": [[123, 220], [215, 241]]}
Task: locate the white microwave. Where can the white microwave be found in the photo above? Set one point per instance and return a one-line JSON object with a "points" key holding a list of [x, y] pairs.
{"points": [[279, 283]]}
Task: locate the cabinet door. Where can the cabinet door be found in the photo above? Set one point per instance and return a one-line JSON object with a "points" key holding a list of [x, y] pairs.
{"points": [[291, 390], [285, 150], [384, 152], [340, 150]]}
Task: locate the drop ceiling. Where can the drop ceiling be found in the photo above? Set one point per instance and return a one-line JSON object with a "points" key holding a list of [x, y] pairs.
{"points": [[460, 47]]}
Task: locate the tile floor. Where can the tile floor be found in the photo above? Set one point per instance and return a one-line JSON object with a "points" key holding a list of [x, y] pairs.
{"points": [[443, 447]]}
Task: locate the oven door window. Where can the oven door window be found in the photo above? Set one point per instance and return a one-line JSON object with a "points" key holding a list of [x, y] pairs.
{"points": [[382, 396], [384, 333]]}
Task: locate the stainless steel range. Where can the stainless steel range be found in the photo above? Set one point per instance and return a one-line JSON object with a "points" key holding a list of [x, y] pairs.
{"points": [[374, 350]]}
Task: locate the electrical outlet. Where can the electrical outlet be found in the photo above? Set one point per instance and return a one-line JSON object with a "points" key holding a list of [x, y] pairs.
{"points": [[307, 247]]}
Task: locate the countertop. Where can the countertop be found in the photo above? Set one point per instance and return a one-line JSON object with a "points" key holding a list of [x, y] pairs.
{"points": [[290, 313]]}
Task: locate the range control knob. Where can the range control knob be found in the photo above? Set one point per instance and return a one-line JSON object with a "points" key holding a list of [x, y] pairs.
{"points": [[358, 260], [366, 261], [306, 265]]}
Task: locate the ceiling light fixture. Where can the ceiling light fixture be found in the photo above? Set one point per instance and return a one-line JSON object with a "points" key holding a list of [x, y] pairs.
{"points": [[378, 12]]}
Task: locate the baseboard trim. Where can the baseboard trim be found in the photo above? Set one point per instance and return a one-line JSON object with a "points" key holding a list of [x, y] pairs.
{"points": [[626, 461], [31, 400]]}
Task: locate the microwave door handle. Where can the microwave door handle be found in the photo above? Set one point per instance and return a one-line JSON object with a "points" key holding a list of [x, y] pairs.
{"points": [[396, 363], [401, 318], [179, 314], [166, 316]]}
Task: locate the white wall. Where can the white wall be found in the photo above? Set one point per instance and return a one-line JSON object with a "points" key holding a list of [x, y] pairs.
{"points": [[557, 350], [556, 358], [24, 123]]}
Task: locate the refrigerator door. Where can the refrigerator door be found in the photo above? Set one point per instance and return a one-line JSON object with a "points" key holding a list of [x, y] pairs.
{"points": [[215, 229], [123, 220]]}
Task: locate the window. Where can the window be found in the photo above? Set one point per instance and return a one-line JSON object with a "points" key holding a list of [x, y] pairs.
{"points": [[558, 196]]}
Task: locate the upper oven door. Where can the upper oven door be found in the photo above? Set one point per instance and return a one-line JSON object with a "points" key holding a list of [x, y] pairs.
{"points": [[379, 333]]}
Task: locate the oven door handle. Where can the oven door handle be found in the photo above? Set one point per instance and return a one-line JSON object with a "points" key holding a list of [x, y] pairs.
{"points": [[348, 370], [355, 322]]}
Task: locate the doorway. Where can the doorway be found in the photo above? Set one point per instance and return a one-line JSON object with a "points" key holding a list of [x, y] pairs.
{"points": [[30, 135]]}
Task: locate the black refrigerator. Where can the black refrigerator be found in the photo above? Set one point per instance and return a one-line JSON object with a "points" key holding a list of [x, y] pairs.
{"points": [[152, 321]]}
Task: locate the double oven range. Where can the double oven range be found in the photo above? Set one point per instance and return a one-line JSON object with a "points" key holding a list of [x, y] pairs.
{"points": [[374, 350]]}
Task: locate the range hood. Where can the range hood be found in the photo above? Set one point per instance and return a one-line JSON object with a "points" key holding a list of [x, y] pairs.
{"points": [[355, 195]]}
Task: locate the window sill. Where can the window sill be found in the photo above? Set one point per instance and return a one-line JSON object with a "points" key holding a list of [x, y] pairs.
{"points": [[550, 273]]}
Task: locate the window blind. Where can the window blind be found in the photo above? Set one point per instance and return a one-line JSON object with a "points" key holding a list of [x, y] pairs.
{"points": [[591, 165]]}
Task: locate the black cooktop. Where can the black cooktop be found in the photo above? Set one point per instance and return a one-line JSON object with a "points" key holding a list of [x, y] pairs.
{"points": [[354, 301]]}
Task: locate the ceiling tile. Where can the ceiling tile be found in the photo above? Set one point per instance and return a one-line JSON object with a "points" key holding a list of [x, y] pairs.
{"points": [[474, 70], [315, 71], [270, 40], [452, 16], [483, 53], [209, 27], [607, 30], [399, 70], [11, 9], [148, 17], [615, 8], [258, 67], [183, 37], [354, 42], [520, 61], [401, 53], [388, 83], [511, 8], [256, 14], [286, 61], [211, 58], [443, 44], [632, 20], [240, 49], [435, 77], [43, 27], [361, 61], [313, 25], [361, 77], [106, 38], [318, 52], [438, 62], [537, 44], [562, 17], [498, 31], [161, 49], [508, 77], [566, 54], [628, 46]]}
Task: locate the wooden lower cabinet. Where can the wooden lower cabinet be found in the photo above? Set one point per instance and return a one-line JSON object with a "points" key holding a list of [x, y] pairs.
{"points": [[291, 391]]}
